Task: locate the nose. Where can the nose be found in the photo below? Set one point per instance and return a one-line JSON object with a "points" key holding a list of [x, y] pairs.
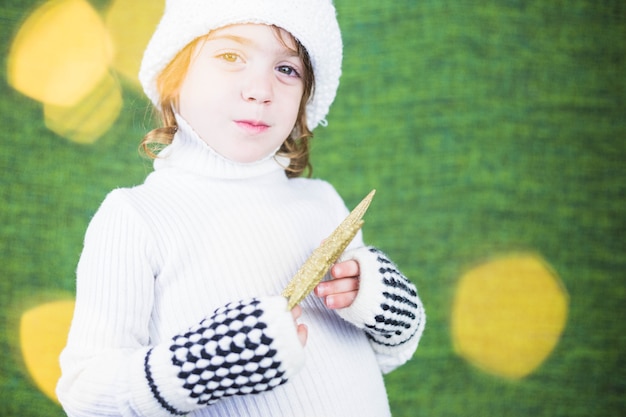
{"points": [[258, 87]]}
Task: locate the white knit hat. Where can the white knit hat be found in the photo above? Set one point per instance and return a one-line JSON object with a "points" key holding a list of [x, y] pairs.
{"points": [[312, 22]]}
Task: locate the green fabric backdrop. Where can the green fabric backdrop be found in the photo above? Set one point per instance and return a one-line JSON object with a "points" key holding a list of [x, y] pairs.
{"points": [[487, 127]]}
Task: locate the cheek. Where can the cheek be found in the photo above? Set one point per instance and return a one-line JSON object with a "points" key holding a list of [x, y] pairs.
{"points": [[199, 88], [293, 106], [187, 97], [201, 105], [192, 92]]}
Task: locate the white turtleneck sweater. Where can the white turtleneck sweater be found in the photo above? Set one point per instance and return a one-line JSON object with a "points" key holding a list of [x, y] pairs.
{"points": [[159, 259]]}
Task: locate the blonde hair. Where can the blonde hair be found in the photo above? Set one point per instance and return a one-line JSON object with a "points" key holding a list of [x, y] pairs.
{"points": [[296, 147]]}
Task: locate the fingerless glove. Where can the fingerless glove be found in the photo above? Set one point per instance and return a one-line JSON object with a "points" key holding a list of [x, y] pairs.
{"points": [[387, 306], [245, 347]]}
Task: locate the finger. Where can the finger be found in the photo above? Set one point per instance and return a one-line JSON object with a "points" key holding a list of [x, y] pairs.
{"points": [[336, 286], [341, 300], [301, 329], [296, 312], [345, 269], [303, 333]]}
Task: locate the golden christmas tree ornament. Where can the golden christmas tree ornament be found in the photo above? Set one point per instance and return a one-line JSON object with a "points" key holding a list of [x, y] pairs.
{"points": [[322, 258]]}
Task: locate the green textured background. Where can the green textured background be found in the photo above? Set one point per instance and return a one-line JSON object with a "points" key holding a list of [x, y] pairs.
{"points": [[487, 127]]}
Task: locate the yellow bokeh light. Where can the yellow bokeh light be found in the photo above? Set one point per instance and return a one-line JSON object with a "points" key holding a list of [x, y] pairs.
{"points": [[43, 335], [131, 24], [508, 315], [91, 117], [60, 53]]}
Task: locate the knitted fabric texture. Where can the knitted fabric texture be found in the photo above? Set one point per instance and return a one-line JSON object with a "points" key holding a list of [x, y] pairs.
{"points": [[228, 354], [312, 22], [198, 234], [387, 307]]}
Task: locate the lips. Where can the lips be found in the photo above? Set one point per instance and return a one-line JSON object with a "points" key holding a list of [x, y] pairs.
{"points": [[252, 126]]}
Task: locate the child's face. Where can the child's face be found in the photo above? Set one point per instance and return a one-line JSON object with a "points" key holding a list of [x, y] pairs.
{"points": [[242, 91]]}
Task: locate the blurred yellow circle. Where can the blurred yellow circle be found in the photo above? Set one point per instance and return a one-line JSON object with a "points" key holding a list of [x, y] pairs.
{"points": [[60, 53], [43, 335], [508, 315], [131, 25], [91, 117]]}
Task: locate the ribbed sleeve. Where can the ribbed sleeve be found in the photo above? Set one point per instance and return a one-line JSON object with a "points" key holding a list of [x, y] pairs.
{"points": [[114, 302]]}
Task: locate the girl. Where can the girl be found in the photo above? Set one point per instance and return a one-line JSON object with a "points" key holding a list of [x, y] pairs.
{"points": [[177, 309]]}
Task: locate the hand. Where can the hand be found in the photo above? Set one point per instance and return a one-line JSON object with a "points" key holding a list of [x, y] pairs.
{"points": [[302, 330], [342, 289]]}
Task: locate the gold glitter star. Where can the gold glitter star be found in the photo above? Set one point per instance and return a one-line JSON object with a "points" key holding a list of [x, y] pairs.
{"points": [[322, 258]]}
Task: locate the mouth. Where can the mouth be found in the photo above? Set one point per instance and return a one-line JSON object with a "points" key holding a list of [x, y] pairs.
{"points": [[252, 126]]}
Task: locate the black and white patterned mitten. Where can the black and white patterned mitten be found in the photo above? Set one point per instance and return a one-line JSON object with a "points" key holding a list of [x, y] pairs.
{"points": [[387, 306], [245, 347]]}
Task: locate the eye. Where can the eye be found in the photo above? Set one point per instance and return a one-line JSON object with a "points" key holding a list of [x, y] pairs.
{"points": [[288, 70], [229, 57]]}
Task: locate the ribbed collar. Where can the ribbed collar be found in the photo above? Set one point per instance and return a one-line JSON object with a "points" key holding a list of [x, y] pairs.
{"points": [[188, 152]]}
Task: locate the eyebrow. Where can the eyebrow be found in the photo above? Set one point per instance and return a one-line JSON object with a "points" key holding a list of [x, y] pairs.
{"points": [[235, 38], [249, 42]]}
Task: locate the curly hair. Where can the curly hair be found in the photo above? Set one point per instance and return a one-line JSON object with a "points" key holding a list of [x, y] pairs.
{"points": [[296, 147]]}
